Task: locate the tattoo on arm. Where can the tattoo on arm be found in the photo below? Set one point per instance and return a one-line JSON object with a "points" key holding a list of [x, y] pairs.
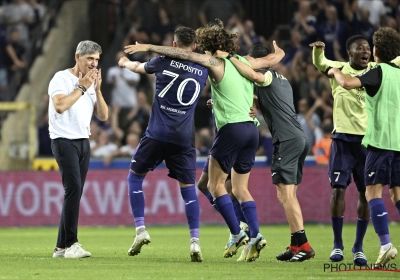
{"points": [[214, 61], [170, 51], [186, 55]]}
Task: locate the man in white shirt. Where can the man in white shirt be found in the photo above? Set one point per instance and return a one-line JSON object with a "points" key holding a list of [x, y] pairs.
{"points": [[74, 95], [124, 85], [376, 10]]}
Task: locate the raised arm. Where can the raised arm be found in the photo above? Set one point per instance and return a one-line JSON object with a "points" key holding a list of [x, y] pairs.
{"points": [[267, 61], [343, 80], [202, 59], [244, 69], [319, 59], [134, 66]]}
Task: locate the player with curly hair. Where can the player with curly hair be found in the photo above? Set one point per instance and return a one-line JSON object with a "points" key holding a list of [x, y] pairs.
{"points": [[236, 142], [347, 154], [381, 139]]}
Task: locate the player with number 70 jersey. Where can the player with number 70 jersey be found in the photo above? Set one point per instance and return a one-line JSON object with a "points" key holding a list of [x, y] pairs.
{"points": [[169, 136], [179, 85]]}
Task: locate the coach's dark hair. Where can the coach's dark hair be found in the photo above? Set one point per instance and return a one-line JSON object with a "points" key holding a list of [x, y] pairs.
{"points": [[259, 50], [354, 38], [387, 43], [185, 36], [214, 37]]}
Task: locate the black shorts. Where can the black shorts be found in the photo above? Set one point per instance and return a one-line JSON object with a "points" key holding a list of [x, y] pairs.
{"points": [[288, 161]]}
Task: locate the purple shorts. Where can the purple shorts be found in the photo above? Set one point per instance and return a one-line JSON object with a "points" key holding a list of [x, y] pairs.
{"points": [[180, 161], [347, 158], [235, 145], [382, 167], [205, 168]]}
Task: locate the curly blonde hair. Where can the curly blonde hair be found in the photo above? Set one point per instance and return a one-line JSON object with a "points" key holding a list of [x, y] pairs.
{"points": [[214, 37]]}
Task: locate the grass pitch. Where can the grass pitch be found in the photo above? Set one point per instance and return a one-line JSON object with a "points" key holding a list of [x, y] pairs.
{"points": [[26, 253]]}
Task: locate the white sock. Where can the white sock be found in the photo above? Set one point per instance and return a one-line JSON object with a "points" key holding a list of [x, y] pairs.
{"points": [[140, 228], [385, 247]]}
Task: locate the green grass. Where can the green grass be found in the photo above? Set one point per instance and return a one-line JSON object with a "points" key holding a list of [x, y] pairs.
{"points": [[26, 253]]}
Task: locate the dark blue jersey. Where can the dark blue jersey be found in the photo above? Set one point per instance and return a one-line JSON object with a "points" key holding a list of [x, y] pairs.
{"points": [[179, 85]]}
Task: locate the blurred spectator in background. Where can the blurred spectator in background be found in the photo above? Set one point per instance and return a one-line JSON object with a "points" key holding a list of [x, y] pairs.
{"points": [[377, 11], [141, 113], [364, 26], [203, 141], [318, 9], [128, 150], [140, 35], [321, 149], [124, 92], [18, 16], [39, 11], [94, 133], [248, 37], [304, 22], [3, 70], [294, 47], [15, 60], [164, 27], [146, 13], [103, 146], [316, 86], [333, 31], [43, 128], [104, 30], [308, 120], [203, 114], [222, 9], [391, 7]]}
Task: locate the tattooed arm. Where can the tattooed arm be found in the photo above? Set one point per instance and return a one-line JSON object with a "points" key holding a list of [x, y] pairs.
{"points": [[215, 66], [202, 59]]}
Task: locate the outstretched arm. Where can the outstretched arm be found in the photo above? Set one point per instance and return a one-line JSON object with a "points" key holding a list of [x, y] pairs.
{"points": [[319, 59], [267, 61], [134, 66], [202, 59], [244, 70], [343, 80]]}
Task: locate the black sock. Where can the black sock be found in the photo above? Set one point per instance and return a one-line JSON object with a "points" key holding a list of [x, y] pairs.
{"points": [[293, 241], [301, 237]]}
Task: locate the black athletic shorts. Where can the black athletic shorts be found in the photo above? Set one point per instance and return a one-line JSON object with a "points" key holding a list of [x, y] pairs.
{"points": [[288, 161]]}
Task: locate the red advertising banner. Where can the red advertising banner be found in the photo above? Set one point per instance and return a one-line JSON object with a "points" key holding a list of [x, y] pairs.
{"points": [[35, 198]]}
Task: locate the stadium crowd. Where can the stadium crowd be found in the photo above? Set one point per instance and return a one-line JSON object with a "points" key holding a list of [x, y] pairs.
{"points": [[154, 21], [23, 24]]}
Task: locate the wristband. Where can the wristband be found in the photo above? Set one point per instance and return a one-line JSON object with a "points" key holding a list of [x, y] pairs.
{"points": [[82, 88], [229, 56]]}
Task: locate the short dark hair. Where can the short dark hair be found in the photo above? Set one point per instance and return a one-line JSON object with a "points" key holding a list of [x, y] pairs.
{"points": [[354, 38], [259, 50], [387, 43], [185, 36]]}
